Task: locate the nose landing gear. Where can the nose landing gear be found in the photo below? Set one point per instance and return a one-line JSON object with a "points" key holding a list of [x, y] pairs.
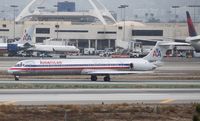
{"points": [[16, 78]]}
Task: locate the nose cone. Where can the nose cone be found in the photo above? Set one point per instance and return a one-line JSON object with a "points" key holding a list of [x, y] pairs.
{"points": [[10, 71], [77, 50], [158, 63], [188, 39], [154, 67]]}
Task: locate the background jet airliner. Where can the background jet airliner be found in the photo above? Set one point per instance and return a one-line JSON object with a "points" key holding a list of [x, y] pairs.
{"points": [[26, 44], [193, 38], [53, 49], [17, 45], [93, 67]]}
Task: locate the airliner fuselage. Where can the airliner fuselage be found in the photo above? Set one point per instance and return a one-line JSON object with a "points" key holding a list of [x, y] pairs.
{"points": [[79, 66], [195, 42]]}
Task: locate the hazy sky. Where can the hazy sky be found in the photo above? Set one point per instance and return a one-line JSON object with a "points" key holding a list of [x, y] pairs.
{"points": [[159, 7]]}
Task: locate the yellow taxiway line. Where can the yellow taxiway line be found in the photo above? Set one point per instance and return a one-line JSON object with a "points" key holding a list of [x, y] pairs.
{"points": [[167, 101], [8, 103]]}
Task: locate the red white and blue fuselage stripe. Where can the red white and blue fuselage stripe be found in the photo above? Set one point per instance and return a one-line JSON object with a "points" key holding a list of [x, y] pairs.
{"points": [[72, 67]]}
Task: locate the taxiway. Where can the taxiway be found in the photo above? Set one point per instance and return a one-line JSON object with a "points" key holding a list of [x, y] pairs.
{"points": [[98, 96]]}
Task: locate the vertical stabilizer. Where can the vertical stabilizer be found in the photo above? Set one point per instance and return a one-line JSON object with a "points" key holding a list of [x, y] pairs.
{"points": [[27, 36], [191, 29], [160, 49], [157, 53]]}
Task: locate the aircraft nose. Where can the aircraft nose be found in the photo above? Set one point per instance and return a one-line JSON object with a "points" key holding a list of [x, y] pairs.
{"points": [[187, 40], [77, 50], [154, 67], [10, 71]]}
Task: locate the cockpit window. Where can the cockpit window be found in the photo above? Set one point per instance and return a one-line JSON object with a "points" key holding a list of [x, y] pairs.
{"points": [[19, 64]]}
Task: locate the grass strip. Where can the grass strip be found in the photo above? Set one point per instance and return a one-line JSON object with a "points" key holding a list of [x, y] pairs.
{"points": [[91, 86]]}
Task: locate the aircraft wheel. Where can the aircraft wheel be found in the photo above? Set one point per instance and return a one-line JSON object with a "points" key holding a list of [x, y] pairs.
{"points": [[107, 78], [16, 78], [93, 78]]}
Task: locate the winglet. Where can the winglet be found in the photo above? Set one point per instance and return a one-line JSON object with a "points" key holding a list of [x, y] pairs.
{"points": [[191, 29]]}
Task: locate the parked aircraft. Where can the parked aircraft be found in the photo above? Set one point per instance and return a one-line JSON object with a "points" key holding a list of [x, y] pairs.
{"points": [[13, 48], [193, 38], [53, 49], [26, 44], [3, 47], [93, 67]]}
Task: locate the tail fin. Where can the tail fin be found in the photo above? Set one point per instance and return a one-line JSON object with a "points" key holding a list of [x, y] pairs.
{"points": [[27, 36], [191, 29], [160, 49], [157, 53]]}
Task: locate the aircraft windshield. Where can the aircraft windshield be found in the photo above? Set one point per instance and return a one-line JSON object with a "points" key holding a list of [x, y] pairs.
{"points": [[19, 64]]}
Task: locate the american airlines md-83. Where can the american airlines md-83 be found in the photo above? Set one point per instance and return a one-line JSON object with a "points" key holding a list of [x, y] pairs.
{"points": [[93, 67]]}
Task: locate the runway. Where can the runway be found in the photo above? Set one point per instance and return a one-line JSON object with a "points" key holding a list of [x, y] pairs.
{"points": [[98, 96], [113, 82]]}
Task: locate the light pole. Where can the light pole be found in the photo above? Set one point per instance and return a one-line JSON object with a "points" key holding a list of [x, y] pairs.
{"points": [[40, 8], [175, 7], [14, 10], [2, 14], [120, 7], [57, 26], [124, 7], [194, 6]]}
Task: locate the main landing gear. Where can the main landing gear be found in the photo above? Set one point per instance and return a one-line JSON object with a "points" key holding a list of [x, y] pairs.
{"points": [[16, 78], [106, 78], [93, 78]]}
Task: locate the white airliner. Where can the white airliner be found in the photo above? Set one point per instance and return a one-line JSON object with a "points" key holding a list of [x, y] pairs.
{"points": [[93, 67], [193, 38], [4, 47], [26, 43], [53, 48]]}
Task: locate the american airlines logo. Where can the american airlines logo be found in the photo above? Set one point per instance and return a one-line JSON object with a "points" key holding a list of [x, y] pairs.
{"points": [[27, 37], [157, 53]]}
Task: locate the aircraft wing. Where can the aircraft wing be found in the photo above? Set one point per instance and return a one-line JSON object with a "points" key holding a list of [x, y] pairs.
{"points": [[174, 43], [112, 72], [195, 40]]}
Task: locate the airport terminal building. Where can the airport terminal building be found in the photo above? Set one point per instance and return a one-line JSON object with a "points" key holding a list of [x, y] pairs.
{"points": [[88, 29]]}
